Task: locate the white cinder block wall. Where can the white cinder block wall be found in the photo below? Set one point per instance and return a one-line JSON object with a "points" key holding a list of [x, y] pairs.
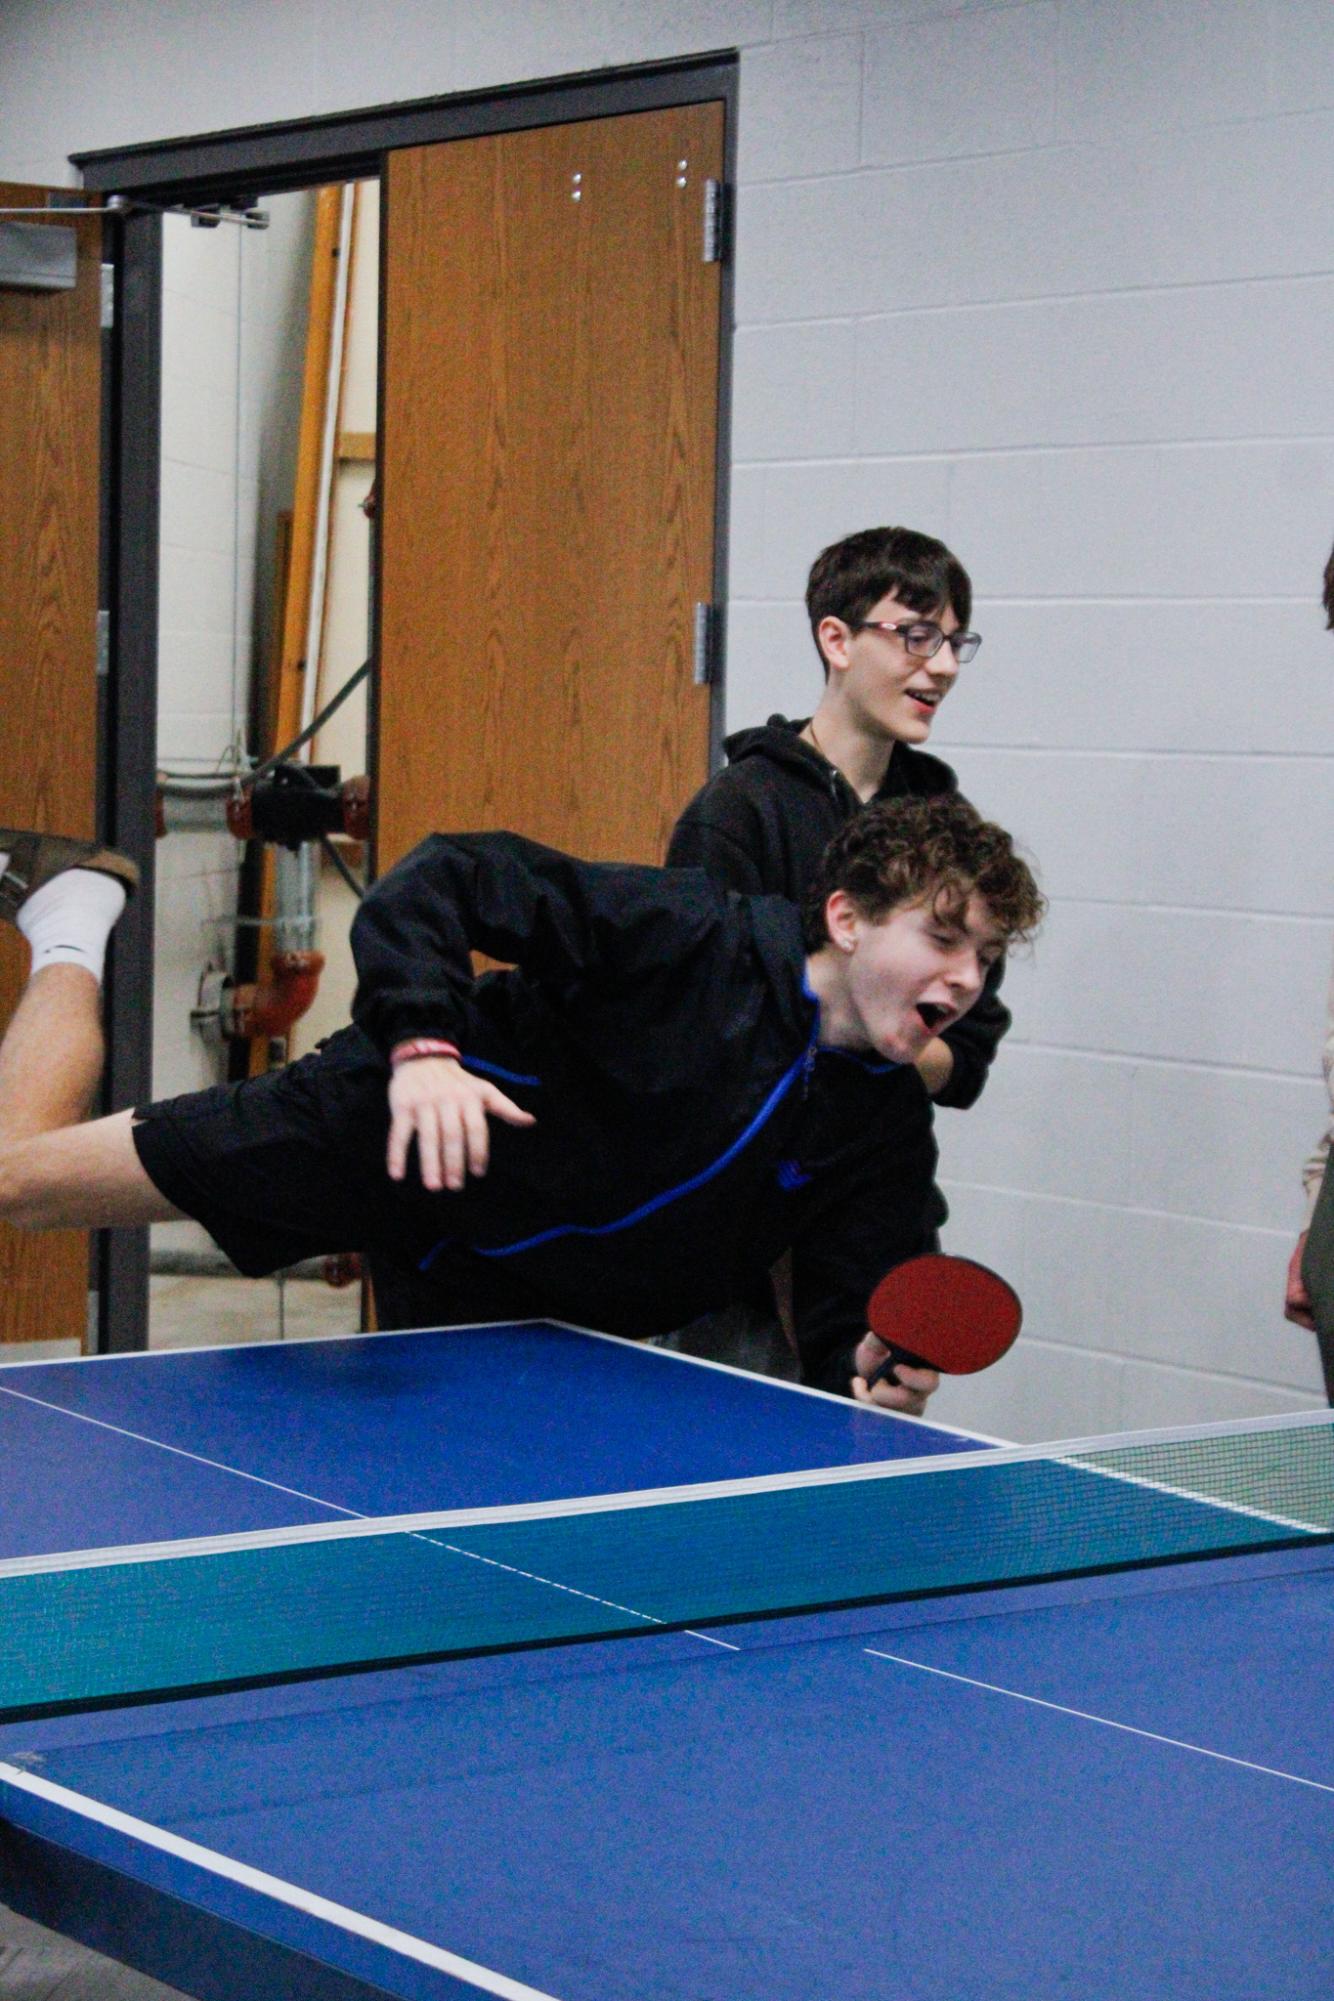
{"points": [[234, 305], [206, 558], [1053, 281]]}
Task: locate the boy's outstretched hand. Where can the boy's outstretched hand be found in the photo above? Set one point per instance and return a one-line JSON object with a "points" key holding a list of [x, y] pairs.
{"points": [[907, 1390], [435, 1101], [1297, 1300]]}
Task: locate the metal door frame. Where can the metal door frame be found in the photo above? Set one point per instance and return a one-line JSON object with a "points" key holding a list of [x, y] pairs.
{"points": [[239, 167]]}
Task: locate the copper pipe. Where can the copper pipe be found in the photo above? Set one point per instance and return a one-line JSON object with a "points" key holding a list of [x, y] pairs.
{"points": [[271, 1008]]}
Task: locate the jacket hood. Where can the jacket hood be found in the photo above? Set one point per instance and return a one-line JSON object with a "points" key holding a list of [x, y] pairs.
{"points": [[779, 740]]}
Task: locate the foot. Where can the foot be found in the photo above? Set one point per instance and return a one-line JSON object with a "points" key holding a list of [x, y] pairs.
{"points": [[34, 859]]}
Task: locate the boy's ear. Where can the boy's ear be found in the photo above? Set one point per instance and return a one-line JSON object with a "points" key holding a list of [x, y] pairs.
{"points": [[841, 918], [833, 635]]}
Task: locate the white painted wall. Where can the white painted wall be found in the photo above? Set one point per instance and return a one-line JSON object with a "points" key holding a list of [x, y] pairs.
{"points": [[233, 318], [234, 311], [1054, 281]]}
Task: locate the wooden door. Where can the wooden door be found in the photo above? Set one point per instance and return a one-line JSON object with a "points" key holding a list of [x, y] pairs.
{"points": [[549, 423], [50, 388]]}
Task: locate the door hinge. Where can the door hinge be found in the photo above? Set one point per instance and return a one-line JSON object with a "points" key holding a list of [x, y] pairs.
{"points": [[108, 296], [706, 645], [715, 222], [38, 257], [103, 643]]}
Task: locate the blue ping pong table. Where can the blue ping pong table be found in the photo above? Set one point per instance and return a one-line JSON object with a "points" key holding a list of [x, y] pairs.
{"points": [[1113, 1788]]}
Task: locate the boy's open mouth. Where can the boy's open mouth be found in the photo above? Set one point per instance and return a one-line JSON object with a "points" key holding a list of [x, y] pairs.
{"points": [[933, 1014]]}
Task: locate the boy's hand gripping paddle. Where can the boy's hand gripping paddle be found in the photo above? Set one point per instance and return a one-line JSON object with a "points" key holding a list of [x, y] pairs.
{"points": [[938, 1312]]}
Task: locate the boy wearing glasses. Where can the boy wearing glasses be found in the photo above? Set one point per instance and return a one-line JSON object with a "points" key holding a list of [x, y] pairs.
{"points": [[889, 610]]}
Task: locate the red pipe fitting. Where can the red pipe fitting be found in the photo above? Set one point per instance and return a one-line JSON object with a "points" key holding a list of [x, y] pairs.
{"points": [[270, 1009], [342, 1268], [356, 797], [240, 815]]}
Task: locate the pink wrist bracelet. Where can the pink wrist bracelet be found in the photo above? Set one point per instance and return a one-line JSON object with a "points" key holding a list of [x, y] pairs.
{"points": [[420, 1045]]}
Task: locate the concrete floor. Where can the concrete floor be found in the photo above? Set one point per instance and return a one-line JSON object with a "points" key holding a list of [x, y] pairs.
{"points": [[35, 1965], [215, 1312]]}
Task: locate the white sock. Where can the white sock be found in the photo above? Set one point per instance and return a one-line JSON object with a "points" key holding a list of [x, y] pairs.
{"points": [[68, 920]]}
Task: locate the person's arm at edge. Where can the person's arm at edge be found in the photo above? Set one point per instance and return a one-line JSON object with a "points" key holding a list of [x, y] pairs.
{"points": [[1296, 1299]]}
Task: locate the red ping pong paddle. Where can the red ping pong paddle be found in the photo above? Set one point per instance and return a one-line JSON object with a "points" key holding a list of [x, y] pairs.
{"points": [[938, 1312]]}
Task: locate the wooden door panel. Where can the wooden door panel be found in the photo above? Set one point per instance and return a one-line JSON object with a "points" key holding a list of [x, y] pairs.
{"points": [[50, 387], [551, 377]]}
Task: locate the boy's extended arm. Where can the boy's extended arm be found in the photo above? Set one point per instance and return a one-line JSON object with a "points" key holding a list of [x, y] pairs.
{"points": [[560, 919]]}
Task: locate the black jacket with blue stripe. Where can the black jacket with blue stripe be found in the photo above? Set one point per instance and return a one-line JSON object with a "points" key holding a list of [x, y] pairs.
{"points": [[689, 1126]]}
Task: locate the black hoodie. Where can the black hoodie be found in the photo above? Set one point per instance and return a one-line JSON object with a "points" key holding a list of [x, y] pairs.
{"points": [[761, 825], [689, 1124]]}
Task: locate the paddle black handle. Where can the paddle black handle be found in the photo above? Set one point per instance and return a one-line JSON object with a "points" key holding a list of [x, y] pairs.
{"points": [[891, 1362]]}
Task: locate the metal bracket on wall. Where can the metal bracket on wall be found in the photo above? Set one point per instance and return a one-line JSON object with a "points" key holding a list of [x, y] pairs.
{"points": [[706, 645], [715, 221], [38, 257]]}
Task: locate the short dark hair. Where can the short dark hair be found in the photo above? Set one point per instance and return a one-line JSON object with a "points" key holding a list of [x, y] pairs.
{"points": [[1328, 597], [906, 851], [851, 576]]}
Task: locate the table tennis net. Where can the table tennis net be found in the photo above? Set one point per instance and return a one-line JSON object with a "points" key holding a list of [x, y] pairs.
{"points": [[95, 1629]]}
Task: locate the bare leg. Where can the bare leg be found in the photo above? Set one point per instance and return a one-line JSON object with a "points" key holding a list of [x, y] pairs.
{"points": [[55, 1172], [51, 1057]]}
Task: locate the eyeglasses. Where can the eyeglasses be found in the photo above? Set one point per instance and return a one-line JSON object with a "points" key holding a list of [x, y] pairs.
{"points": [[923, 638]]}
